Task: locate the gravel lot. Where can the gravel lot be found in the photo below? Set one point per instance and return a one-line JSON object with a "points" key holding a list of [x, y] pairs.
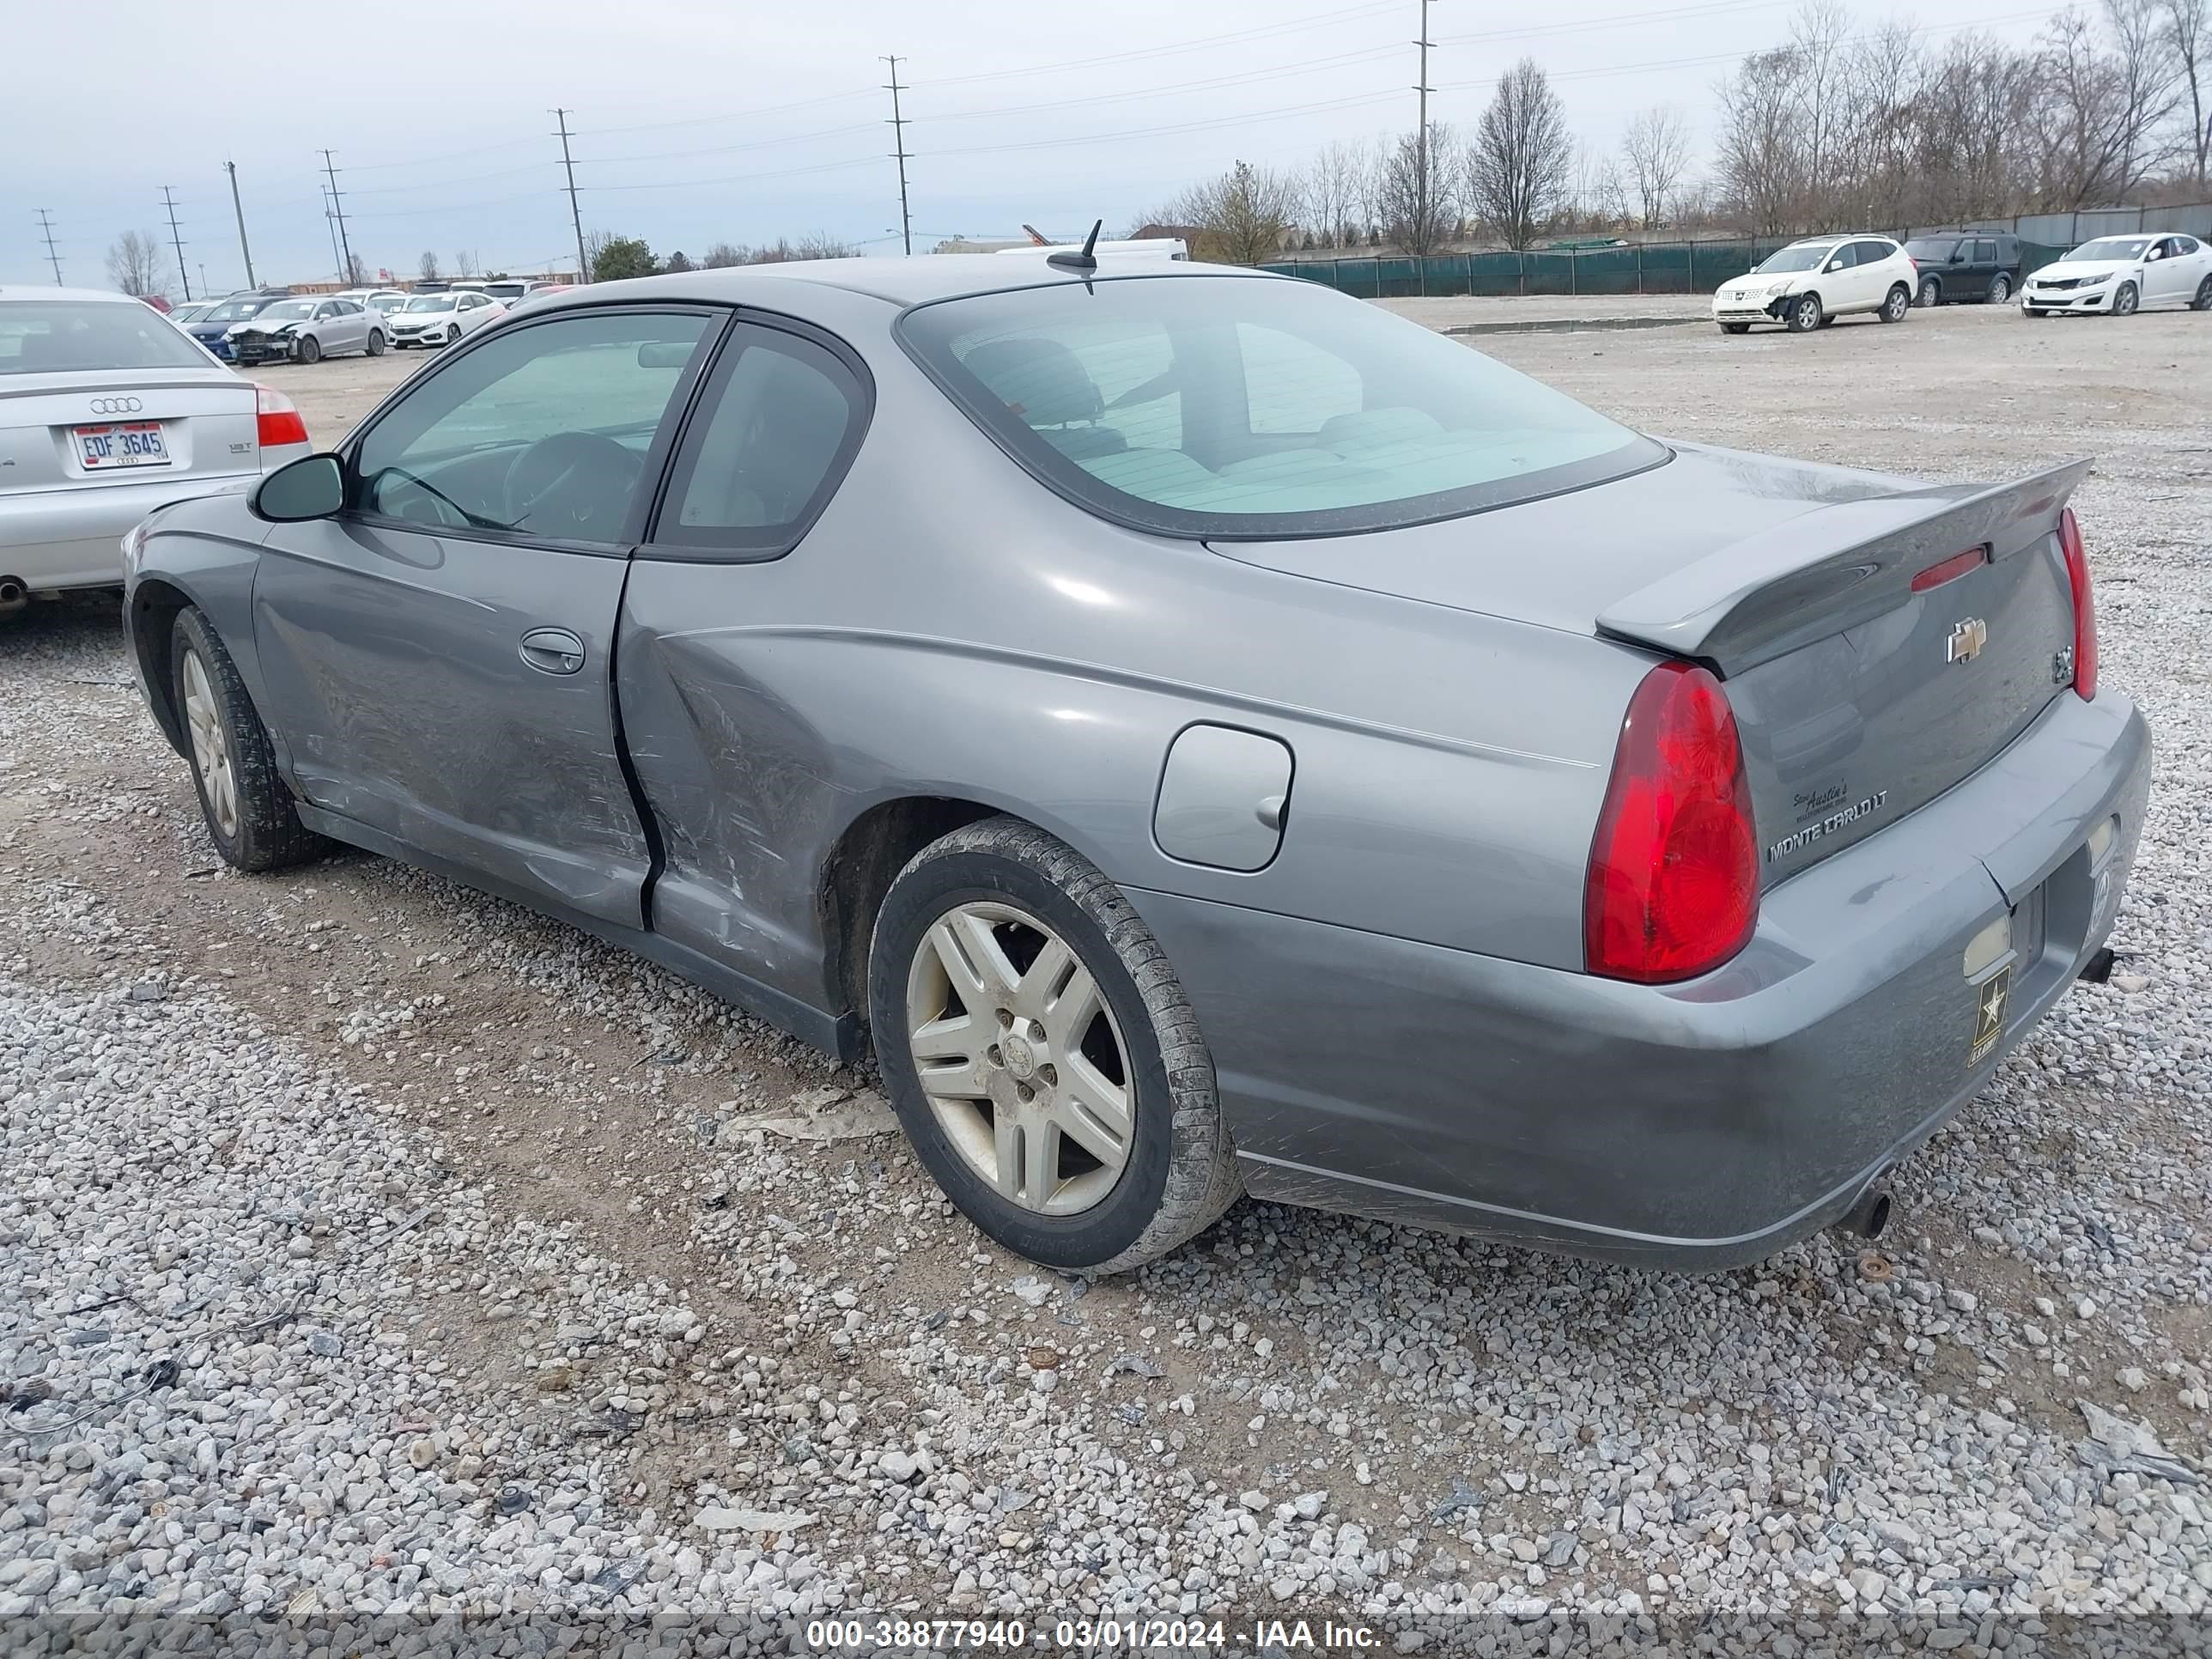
{"points": [[373, 1245]]}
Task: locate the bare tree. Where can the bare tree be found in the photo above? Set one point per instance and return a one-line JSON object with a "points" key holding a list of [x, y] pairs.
{"points": [[1335, 189], [428, 266], [464, 264], [1521, 161], [1762, 163], [356, 274], [1819, 42], [2099, 113], [2187, 22], [1417, 196], [134, 263], [1656, 151], [720, 256], [1240, 216], [2149, 80]]}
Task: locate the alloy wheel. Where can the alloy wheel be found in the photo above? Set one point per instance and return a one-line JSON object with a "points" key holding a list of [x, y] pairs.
{"points": [[1023, 1066], [210, 746]]}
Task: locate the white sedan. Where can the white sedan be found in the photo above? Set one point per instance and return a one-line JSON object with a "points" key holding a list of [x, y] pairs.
{"points": [[1809, 284], [2122, 275], [439, 319], [107, 411]]}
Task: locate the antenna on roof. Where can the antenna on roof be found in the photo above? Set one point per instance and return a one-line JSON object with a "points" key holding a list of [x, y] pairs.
{"points": [[1085, 260]]}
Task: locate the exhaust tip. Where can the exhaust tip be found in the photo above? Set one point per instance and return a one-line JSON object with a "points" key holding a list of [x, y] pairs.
{"points": [[13, 594], [1869, 1212]]}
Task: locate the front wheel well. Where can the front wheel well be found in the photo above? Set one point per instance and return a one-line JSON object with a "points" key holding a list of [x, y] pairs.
{"points": [[155, 606], [858, 872]]}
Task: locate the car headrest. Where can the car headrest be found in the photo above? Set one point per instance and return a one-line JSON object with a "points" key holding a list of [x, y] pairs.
{"points": [[1041, 380]]}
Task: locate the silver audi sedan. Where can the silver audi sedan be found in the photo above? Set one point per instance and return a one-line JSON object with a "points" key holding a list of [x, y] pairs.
{"points": [[107, 411], [1208, 734]]}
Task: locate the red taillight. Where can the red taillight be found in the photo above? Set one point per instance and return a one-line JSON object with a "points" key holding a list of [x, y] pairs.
{"points": [[1674, 872], [2085, 606], [276, 418], [1950, 569]]}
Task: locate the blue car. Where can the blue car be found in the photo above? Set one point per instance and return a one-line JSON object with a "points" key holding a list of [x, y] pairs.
{"points": [[210, 326]]}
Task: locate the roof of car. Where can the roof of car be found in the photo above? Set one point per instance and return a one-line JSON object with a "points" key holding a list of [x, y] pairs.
{"points": [[901, 282], [34, 291]]}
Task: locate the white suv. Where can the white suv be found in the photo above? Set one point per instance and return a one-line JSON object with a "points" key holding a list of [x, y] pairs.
{"points": [[1809, 284]]}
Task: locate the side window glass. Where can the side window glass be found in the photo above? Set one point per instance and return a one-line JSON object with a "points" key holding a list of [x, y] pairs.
{"points": [[1985, 252], [1294, 387], [779, 423], [1842, 258], [543, 430]]}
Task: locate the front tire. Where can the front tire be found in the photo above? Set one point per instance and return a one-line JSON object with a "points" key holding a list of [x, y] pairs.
{"points": [[1805, 313], [1931, 293], [310, 349], [1735, 328], [2000, 288], [1042, 1055], [2203, 299], [1896, 304], [2124, 303], [249, 813]]}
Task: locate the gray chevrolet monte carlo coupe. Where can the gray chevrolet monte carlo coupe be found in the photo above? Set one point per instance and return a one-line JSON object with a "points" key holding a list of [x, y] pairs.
{"points": [[1212, 735]]}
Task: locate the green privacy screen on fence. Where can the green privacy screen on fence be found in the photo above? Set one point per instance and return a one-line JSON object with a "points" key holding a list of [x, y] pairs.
{"points": [[1637, 268]]}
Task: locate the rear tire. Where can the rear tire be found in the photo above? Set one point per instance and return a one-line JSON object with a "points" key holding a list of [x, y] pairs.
{"points": [[2000, 288], [1009, 894], [1806, 314], [2203, 299], [249, 813], [376, 343], [1896, 304], [1931, 293], [2124, 303], [310, 349]]}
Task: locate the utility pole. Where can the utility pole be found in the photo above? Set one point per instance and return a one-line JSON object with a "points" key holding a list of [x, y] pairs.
{"points": [[331, 225], [1421, 147], [231, 168], [899, 150], [169, 201], [576, 218], [338, 211], [46, 225]]}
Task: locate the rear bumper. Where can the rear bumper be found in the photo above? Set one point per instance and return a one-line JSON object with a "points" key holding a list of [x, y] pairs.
{"points": [[73, 538], [1700, 1126]]}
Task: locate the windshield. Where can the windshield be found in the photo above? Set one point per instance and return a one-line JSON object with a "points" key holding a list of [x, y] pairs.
{"points": [[1255, 408], [1936, 248], [287, 311], [431, 302], [1805, 256], [44, 337], [235, 311], [2113, 247]]}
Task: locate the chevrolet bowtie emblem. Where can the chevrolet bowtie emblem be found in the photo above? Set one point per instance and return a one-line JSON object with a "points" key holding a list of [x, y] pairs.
{"points": [[1967, 638]]}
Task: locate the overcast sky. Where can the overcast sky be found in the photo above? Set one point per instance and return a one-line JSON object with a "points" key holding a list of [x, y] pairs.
{"points": [[699, 122]]}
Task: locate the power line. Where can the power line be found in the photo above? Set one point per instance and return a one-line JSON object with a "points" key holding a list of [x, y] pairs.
{"points": [[575, 217], [46, 226], [239, 207], [338, 211], [899, 150], [169, 201]]}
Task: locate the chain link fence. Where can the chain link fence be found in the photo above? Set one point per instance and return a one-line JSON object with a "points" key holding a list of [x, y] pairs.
{"points": [[1689, 267]]}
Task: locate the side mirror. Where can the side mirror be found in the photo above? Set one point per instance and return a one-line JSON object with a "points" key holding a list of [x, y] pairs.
{"points": [[2155, 253], [312, 487], [1833, 264], [1958, 256]]}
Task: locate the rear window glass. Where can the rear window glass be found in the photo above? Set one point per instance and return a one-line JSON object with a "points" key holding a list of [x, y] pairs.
{"points": [[1249, 408], [50, 337]]}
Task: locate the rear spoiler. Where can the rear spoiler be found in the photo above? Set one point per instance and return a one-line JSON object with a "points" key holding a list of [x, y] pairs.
{"points": [[1832, 568]]}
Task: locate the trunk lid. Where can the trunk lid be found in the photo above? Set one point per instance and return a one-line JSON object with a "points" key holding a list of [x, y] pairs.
{"points": [[1794, 583], [207, 420]]}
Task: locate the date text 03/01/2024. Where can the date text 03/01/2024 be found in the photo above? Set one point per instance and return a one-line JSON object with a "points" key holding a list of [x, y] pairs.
{"points": [[1090, 1635]]}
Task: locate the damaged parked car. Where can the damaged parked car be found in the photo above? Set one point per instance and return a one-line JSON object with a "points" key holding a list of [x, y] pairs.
{"points": [[1209, 734]]}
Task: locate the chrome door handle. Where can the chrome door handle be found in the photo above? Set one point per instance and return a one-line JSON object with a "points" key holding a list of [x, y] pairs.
{"points": [[553, 651]]}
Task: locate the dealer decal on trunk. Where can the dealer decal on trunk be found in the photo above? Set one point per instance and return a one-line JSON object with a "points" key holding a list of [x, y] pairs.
{"points": [[1990, 999]]}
